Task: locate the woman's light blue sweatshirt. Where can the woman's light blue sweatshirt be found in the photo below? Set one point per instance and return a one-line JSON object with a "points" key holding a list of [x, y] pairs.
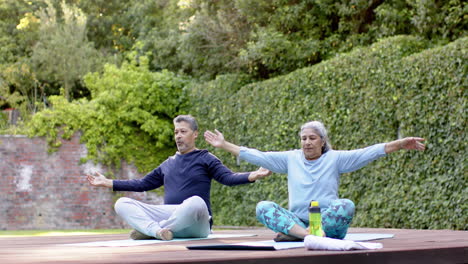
{"points": [[312, 179]]}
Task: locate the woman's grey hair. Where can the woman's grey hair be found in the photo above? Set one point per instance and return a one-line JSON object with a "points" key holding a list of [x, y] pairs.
{"points": [[320, 129], [189, 119]]}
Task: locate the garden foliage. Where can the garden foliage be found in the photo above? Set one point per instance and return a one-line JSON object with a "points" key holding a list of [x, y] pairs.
{"points": [[129, 116], [394, 88], [257, 70]]}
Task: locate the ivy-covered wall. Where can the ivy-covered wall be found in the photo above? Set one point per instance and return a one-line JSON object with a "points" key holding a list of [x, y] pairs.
{"points": [[41, 190], [395, 88]]}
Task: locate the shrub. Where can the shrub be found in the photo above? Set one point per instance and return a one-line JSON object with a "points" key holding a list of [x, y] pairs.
{"points": [[129, 116], [396, 87]]}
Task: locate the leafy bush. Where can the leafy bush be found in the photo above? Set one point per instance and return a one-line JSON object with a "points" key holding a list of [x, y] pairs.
{"points": [[129, 116], [396, 87]]}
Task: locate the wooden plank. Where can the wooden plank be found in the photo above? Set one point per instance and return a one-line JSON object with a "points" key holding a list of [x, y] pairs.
{"points": [[408, 246]]}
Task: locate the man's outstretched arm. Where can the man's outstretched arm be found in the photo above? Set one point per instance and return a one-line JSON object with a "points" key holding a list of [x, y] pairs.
{"points": [[99, 180]]}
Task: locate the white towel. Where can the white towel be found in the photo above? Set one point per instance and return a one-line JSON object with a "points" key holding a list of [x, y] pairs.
{"points": [[326, 243]]}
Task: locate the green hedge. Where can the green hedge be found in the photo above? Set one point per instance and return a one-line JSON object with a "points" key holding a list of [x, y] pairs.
{"points": [[397, 87]]}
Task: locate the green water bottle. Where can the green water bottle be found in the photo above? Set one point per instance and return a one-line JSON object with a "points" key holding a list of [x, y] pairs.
{"points": [[315, 219]]}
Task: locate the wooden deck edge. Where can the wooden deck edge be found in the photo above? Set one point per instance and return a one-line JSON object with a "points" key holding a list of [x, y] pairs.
{"points": [[452, 255]]}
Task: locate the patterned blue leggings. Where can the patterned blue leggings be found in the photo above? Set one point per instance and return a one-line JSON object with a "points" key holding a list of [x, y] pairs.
{"points": [[335, 219]]}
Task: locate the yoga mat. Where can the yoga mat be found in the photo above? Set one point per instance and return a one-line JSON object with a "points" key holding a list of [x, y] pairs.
{"points": [[359, 237], [272, 245], [257, 245], [131, 242]]}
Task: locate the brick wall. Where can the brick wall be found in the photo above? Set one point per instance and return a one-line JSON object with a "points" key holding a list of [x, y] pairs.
{"points": [[41, 190]]}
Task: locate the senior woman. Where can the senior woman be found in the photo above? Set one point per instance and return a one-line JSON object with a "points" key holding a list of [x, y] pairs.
{"points": [[313, 174]]}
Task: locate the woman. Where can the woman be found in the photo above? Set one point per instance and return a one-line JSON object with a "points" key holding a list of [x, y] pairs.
{"points": [[313, 174]]}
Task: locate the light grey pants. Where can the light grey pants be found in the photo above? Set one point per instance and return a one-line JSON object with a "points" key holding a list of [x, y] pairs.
{"points": [[188, 219]]}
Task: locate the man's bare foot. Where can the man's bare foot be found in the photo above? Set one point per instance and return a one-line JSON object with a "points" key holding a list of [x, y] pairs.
{"points": [[281, 237], [164, 234], [137, 235]]}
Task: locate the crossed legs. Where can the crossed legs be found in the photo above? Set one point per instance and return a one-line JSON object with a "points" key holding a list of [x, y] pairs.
{"points": [[335, 219], [189, 219]]}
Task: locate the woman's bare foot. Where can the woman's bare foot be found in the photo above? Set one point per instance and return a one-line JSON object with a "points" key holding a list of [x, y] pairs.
{"points": [[281, 237]]}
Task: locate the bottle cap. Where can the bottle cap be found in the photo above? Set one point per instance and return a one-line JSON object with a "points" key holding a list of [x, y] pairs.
{"points": [[314, 203]]}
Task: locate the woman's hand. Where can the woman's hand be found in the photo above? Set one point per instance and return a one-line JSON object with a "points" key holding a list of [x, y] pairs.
{"points": [[412, 143], [216, 140]]}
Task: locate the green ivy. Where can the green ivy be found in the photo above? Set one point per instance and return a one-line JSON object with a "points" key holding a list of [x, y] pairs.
{"points": [[397, 87], [129, 116]]}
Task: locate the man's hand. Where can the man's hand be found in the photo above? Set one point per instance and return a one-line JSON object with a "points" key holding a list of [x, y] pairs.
{"points": [[259, 174], [216, 140], [99, 180]]}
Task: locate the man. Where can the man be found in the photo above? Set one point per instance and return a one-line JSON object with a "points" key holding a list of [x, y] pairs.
{"points": [[186, 177]]}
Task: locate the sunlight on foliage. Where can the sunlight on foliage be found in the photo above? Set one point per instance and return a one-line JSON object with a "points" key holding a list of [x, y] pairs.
{"points": [[129, 116]]}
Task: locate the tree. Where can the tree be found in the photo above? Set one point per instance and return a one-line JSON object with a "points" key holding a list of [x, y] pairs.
{"points": [[129, 116], [63, 54], [19, 87]]}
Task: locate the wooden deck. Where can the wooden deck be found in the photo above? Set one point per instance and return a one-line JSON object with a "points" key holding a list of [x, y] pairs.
{"points": [[408, 246]]}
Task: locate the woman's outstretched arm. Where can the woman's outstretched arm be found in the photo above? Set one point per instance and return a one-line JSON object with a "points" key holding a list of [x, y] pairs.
{"points": [[405, 143], [217, 140]]}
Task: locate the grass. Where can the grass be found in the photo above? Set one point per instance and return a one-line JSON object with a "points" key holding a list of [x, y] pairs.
{"points": [[80, 232], [22, 233]]}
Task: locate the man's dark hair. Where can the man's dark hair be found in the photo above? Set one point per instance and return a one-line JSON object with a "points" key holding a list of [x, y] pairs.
{"points": [[189, 119]]}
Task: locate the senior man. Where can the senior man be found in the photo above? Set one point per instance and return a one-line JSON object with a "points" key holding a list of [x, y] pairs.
{"points": [[186, 177]]}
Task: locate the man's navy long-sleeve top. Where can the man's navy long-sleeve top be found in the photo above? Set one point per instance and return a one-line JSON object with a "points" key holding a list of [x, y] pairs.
{"points": [[184, 176]]}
